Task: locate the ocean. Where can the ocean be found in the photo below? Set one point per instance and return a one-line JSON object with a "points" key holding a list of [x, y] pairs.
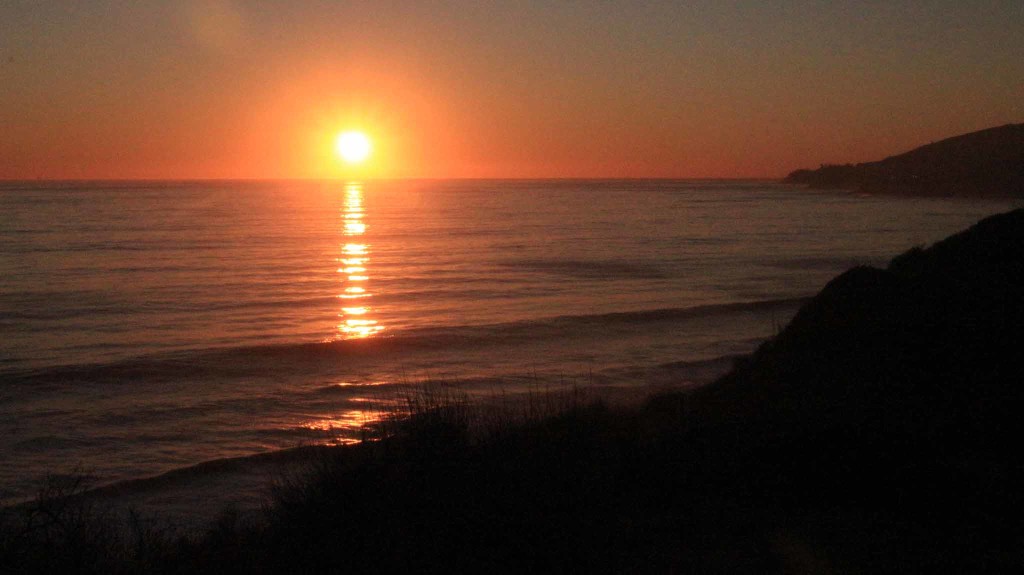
{"points": [[150, 326]]}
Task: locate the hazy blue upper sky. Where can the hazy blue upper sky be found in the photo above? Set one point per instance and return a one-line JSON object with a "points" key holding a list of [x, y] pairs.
{"points": [[691, 89]]}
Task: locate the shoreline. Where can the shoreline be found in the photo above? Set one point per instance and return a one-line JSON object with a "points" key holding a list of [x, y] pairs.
{"points": [[242, 482]]}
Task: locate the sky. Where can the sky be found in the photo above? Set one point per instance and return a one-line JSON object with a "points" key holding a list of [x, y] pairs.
{"points": [[723, 89]]}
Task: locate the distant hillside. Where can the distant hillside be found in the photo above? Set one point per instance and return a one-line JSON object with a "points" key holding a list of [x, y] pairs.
{"points": [[984, 163]]}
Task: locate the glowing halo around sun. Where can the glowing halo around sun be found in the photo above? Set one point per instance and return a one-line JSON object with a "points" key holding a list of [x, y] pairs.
{"points": [[353, 147]]}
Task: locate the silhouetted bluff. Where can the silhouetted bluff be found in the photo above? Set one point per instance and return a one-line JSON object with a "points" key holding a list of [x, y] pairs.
{"points": [[985, 163], [888, 413], [923, 358]]}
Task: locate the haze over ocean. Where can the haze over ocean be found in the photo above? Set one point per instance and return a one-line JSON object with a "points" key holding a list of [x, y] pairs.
{"points": [[149, 326]]}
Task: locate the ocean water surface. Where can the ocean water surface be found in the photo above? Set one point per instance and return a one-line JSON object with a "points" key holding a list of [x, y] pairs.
{"points": [[146, 326]]}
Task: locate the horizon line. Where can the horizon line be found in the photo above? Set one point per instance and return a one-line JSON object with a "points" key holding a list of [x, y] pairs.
{"points": [[398, 179]]}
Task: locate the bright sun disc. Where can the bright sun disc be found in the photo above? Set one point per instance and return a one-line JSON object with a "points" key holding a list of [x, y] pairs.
{"points": [[353, 147]]}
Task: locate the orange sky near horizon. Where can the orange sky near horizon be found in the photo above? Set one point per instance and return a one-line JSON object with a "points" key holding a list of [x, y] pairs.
{"points": [[222, 89]]}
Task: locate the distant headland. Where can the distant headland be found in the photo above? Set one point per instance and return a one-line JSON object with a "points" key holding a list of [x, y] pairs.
{"points": [[984, 163]]}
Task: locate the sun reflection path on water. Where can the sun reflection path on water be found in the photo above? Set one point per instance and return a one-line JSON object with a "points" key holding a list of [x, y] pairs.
{"points": [[356, 316]]}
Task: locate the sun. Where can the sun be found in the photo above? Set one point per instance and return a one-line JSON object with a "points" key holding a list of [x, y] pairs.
{"points": [[353, 147]]}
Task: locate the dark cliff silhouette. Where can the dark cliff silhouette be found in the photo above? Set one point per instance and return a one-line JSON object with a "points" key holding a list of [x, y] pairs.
{"points": [[878, 432], [928, 348], [898, 393], [985, 163]]}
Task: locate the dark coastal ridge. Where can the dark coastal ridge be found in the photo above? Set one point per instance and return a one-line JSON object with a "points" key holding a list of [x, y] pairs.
{"points": [[986, 163], [877, 432]]}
